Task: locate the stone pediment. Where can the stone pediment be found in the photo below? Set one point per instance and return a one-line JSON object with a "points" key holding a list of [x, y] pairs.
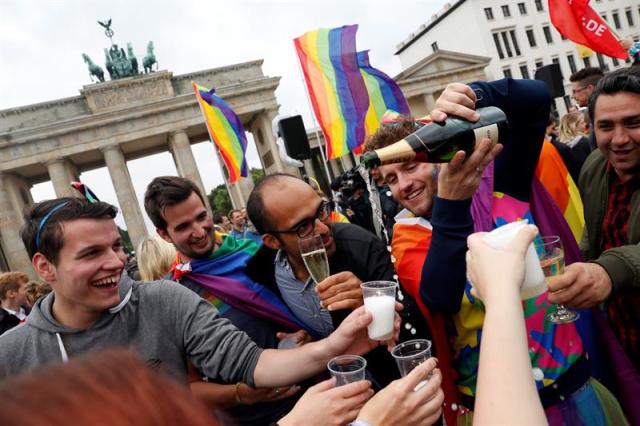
{"points": [[441, 63]]}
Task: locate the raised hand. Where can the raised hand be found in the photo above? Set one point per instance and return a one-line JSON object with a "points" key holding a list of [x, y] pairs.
{"points": [[325, 404], [400, 405]]}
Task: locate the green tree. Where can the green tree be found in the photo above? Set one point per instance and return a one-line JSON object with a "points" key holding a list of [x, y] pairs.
{"points": [[256, 174], [126, 240], [220, 200], [219, 197]]}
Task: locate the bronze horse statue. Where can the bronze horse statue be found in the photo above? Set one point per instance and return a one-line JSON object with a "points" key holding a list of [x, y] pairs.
{"points": [[149, 59], [94, 70]]}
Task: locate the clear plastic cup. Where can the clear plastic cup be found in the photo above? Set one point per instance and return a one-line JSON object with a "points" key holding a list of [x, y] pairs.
{"points": [[410, 354], [347, 369], [380, 301]]}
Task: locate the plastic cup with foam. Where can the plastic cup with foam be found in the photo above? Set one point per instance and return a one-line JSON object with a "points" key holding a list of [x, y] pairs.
{"points": [[534, 284]]}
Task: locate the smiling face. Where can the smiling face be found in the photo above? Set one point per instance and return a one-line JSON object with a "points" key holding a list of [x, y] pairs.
{"points": [[87, 275], [289, 203], [189, 228], [617, 130], [413, 185]]}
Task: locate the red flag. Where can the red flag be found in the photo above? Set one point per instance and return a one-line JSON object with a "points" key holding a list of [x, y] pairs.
{"points": [[575, 20]]}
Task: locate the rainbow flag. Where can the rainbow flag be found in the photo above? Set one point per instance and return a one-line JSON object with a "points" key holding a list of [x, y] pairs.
{"points": [[554, 176], [384, 94], [224, 283], [335, 85], [226, 131]]}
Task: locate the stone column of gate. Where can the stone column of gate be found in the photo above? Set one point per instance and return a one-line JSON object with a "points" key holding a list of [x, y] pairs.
{"points": [[13, 248], [185, 161], [60, 178], [114, 158], [18, 191]]}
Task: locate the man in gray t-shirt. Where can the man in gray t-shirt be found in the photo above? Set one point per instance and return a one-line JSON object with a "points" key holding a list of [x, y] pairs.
{"points": [[75, 246]]}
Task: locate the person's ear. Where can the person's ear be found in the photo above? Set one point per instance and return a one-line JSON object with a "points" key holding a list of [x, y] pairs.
{"points": [[164, 235], [44, 267], [271, 241]]}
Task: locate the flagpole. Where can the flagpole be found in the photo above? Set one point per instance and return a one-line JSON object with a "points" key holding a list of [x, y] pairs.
{"points": [[316, 125]]}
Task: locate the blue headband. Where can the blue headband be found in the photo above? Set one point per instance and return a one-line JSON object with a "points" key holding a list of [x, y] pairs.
{"points": [[44, 221]]}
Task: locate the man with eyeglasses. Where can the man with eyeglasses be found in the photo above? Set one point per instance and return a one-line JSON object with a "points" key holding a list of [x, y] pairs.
{"points": [[217, 272], [582, 84], [285, 209]]}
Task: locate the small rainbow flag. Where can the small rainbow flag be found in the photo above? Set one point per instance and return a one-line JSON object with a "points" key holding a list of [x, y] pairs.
{"points": [[226, 131], [554, 176], [335, 85], [384, 94]]}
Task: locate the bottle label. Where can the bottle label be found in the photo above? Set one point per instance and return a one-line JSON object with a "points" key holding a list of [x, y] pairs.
{"points": [[489, 132]]}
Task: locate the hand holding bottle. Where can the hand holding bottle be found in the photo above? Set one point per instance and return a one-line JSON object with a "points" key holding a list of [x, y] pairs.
{"points": [[457, 99], [459, 179]]}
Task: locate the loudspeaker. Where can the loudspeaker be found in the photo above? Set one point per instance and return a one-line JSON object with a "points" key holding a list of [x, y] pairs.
{"points": [[295, 139], [551, 75]]}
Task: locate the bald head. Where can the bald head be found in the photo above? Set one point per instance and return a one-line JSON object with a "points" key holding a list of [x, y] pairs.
{"points": [[271, 193]]}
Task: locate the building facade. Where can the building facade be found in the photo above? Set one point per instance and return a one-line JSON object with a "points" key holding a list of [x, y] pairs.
{"points": [[517, 35]]}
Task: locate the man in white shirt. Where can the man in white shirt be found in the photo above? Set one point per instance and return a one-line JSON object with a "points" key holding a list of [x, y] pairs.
{"points": [[12, 299]]}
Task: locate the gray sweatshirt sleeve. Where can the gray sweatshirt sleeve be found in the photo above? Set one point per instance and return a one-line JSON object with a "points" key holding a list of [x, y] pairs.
{"points": [[214, 345]]}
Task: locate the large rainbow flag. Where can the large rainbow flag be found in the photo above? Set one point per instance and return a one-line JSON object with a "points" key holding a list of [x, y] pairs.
{"points": [[224, 283], [554, 176], [336, 87], [226, 131], [384, 94]]}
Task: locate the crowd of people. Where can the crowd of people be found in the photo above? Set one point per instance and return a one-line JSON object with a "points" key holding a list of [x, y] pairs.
{"points": [[221, 322]]}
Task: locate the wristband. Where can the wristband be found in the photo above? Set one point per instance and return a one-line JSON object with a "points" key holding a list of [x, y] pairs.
{"points": [[358, 422]]}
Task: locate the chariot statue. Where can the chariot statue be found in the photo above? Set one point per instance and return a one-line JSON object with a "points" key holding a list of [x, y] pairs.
{"points": [[118, 63]]}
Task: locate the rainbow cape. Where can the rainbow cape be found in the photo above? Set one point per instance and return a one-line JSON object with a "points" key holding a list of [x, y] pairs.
{"points": [[224, 282], [384, 94], [336, 87], [226, 131], [554, 176]]}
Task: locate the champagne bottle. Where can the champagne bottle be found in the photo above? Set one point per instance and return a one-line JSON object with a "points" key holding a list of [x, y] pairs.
{"points": [[438, 142]]}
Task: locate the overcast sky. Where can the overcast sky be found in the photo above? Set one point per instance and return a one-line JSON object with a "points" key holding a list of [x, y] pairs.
{"points": [[41, 42]]}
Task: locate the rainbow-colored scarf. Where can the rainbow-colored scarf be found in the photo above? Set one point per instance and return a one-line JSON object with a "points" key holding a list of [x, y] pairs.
{"points": [[224, 281]]}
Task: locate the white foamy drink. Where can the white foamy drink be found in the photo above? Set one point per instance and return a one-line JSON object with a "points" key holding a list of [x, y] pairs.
{"points": [[382, 308], [534, 283], [317, 264]]}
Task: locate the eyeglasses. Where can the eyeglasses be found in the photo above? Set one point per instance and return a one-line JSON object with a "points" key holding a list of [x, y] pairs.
{"points": [[306, 227], [574, 91]]}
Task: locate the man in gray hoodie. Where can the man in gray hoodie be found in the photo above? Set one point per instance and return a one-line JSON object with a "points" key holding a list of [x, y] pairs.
{"points": [[75, 246]]}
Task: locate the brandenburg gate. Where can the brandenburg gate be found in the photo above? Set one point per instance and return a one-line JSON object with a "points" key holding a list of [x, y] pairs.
{"points": [[116, 121]]}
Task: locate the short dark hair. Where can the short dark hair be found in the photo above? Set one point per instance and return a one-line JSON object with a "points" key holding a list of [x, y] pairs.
{"points": [[255, 205], [390, 133], [167, 191], [43, 221], [587, 76], [232, 211], [217, 218], [622, 80]]}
